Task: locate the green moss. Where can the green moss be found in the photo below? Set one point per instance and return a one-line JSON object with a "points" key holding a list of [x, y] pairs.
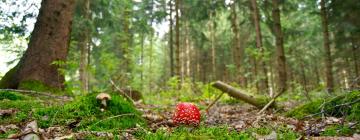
{"points": [[23, 107], [84, 113], [6, 134], [182, 133], [282, 133], [8, 80], [39, 86], [347, 104], [306, 109], [337, 130], [10, 95]]}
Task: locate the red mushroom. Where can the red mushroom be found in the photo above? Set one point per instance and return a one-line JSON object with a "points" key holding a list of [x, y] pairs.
{"points": [[186, 113]]}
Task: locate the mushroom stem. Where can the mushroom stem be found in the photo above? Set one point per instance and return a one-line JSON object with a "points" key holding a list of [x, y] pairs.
{"points": [[103, 103]]}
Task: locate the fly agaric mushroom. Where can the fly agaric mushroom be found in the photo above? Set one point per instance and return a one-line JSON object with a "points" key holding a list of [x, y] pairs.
{"points": [[103, 97], [187, 113]]}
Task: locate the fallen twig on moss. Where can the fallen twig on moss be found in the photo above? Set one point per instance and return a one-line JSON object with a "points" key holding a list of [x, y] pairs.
{"points": [[112, 117], [122, 92]]}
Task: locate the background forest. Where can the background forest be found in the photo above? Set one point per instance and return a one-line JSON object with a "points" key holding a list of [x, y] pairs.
{"points": [[300, 53]]}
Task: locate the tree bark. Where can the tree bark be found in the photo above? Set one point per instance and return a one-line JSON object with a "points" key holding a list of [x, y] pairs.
{"points": [[237, 46], [256, 18], [83, 44], [238, 94], [177, 40], [47, 49], [328, 60], [281, 60], [171, 44]]}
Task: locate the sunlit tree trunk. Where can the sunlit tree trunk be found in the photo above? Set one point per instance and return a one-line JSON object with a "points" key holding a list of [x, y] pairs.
{"points": [[328, 60], [212, 42], [280, 55], [264, 78], [84, 44], [47, 49]]}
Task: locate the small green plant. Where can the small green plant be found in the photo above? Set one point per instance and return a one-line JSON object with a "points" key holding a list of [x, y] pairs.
{"points": [[11, 95]]}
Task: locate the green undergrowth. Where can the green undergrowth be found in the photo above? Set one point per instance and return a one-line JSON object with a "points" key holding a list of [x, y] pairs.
{"points": [[345, 104], [23, 105], [84, 114], [339, 130], [184, 133], [217, 132]]}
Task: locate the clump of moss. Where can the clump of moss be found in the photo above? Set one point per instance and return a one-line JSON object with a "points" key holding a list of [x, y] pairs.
{"points": [[84, 114], [343, 105]]}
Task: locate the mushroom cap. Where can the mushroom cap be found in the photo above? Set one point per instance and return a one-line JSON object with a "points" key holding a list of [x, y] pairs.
{"points": [[187, 113], [103, 96]]}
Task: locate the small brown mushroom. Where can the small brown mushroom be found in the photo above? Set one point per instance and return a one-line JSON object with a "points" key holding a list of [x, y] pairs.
{"points": [[103, 97]]}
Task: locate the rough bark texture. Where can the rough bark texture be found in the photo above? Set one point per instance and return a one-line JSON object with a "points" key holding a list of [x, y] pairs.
{"points": [[238, 94], [280, 55], [328, 61], [49, 43], [256, 18], [84, 49]]}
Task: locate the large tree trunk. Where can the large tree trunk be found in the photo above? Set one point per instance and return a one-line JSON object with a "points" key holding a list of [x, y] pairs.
{"points": [[281, 60], [84, 49], [328, 61], [256, 18], [171, 45], [47, 49]]}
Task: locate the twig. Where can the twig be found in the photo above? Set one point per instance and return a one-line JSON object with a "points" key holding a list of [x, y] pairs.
{"points": [[122, 92], [31, 92], [112, 117], [212, 103]]}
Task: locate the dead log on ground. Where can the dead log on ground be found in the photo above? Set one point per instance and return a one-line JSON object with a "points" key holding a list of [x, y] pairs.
{"points": [[238, 94]]}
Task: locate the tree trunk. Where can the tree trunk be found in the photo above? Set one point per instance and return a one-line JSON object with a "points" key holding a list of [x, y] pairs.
{"points": [[171, 44], [328, 61], [83, 44], [356, 65], [177, 40], [213, 51], [281, 60], [237, 46], [47, 49]]}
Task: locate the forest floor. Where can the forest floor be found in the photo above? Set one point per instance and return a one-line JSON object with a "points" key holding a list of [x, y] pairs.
{"points": [[21, 116]]}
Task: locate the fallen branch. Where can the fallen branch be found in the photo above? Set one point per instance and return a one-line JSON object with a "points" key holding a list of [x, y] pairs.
{"points": [[236, 93], [122, 92], [217, 98]]}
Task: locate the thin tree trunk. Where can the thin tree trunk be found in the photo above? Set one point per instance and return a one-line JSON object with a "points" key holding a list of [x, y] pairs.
{"points": [[237, 46], [281, 60], [356, 65], [83, 44], [213, 51], [47, 49], [142, 61], [328, 60], [177, 40], [171, 44], [256, 18]]}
